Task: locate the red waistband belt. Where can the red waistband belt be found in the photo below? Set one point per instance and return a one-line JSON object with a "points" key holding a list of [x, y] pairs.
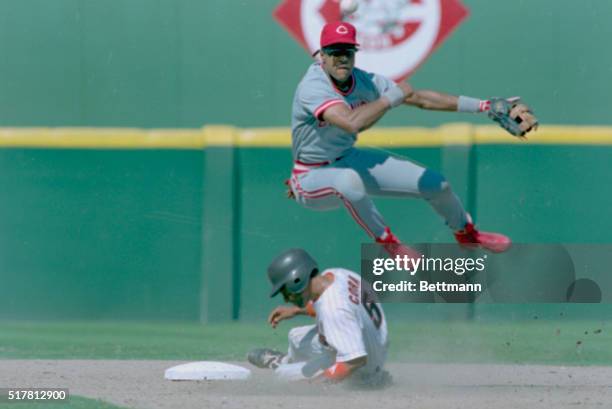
{"points": [[298, 162]]}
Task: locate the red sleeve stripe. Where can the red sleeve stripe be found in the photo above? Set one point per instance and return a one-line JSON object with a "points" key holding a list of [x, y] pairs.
{"points": [[318, 113]]}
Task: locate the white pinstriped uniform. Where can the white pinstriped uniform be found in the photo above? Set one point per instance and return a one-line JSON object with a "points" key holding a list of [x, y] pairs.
{"points": [[345, 325], [344, 330]]}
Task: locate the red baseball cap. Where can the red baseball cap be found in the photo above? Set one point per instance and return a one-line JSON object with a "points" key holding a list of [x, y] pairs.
{"points": [[338, 32]]}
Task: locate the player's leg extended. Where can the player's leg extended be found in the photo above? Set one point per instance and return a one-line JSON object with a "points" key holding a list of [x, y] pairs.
{"points": [[329, 187], [386, 175], [306, 356], [304, 344]]}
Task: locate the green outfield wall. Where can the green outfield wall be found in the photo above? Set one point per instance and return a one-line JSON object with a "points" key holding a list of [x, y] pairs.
{"points": [[181, 224], [183, 63]]}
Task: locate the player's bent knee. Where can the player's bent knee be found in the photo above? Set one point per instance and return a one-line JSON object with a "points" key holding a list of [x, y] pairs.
{"points": [[301, 341], [350, 185], [297, 334], [432, 183]]}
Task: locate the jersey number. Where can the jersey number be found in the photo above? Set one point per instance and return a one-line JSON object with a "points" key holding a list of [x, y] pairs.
{"points": [[373, 312], [367, 300]]}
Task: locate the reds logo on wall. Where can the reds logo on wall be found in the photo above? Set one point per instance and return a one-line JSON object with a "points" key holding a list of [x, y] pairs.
{"points": [[396, 36]]}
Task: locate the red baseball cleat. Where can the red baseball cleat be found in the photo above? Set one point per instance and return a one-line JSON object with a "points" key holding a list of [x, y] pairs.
{"points": [[470, 237], [395, 247]]}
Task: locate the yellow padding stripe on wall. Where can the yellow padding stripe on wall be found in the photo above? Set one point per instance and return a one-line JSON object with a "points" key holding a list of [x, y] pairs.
{"points": [[102, 138], [219, 135]]}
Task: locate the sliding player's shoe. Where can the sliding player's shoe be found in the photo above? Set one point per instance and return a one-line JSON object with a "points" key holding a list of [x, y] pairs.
{"points": [[265, 358]]}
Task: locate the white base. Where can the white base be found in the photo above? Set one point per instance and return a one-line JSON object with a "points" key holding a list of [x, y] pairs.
{"points": [[206, 370]]}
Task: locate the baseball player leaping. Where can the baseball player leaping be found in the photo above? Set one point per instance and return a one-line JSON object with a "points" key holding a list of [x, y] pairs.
{"points": [[334, 102], [349, 339]]}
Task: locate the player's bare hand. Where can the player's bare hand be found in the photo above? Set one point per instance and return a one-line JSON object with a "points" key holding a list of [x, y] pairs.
{"points": [[282, 313]]}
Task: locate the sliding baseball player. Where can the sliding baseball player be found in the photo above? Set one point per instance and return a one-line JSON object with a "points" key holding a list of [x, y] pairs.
{"points": [[348, 342], [334, 102]]}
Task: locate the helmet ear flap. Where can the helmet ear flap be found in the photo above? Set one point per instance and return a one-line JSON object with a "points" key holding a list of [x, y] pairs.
{"points": [[296, 285], [292, 269]]}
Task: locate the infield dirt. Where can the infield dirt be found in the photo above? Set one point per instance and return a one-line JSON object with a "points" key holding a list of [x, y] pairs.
{"points": [[140, 384]]}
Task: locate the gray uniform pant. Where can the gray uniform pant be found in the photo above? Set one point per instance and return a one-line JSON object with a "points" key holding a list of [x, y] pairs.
{"points": [[363, 173]]}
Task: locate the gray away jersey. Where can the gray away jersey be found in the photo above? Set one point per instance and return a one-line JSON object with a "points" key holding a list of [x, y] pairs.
{"points": [[313, 140]]}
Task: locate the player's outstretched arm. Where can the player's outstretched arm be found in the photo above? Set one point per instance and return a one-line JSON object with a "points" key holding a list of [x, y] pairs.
{"points": [[510, 113], [427, 99], [432, 100]]}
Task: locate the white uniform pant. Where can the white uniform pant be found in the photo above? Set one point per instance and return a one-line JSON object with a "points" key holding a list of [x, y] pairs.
{"points": [[363, 173], [306, 356]]}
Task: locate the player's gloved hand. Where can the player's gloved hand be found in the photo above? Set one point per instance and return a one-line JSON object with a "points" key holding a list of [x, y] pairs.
{"points": [[282, 313], [512, 115]]}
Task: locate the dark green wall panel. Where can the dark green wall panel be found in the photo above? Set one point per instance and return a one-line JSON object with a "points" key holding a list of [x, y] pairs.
{"points": [[546, 194], [100, 234]]}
